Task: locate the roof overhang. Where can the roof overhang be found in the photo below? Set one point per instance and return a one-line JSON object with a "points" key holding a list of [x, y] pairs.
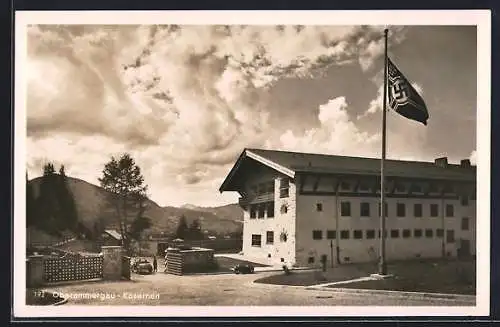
{"points": [[248, 153]]}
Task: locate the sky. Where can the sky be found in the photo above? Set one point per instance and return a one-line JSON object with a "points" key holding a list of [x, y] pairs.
{"points": [[186, 100]]}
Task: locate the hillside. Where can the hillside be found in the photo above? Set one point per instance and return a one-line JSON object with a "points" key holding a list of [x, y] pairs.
{"points": [[92, 204]]}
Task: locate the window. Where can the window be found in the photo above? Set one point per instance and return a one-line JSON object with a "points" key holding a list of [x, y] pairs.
{"points": [[284, 187], [370, 234], [433, 188], [317, 235], [449, 210], [344, 186], [394, 233], [450, 236], [416, 188], [319, 206], [400, 209], [363, 186], [269, 237], [358, 234], [331, 234], [385, 233], [406, 233], [465, 223], [365, 209], [399, 187], [448, 189], [439, 232], [464, 200], [256, 240], [417, 233], [386, 209], [310, 260], [428, 233], [253, 212], [417, 209], [270, 210], [345, 209], [434, 210], [344, 234], [262, 211]]}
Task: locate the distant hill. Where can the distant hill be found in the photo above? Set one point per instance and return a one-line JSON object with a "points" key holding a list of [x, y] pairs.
{"points": [[92, 204]]}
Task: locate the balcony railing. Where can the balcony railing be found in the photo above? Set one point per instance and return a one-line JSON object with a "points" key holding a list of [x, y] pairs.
{"points": [[266, 197]]}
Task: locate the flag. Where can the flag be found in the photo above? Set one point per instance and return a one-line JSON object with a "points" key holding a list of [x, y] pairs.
{"points": [[403, 98]]}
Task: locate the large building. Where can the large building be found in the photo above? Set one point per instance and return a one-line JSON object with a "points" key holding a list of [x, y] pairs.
{"points": [[303, 208]]}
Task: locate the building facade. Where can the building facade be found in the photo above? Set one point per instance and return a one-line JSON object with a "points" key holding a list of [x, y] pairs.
{"points": [[302, 208]]}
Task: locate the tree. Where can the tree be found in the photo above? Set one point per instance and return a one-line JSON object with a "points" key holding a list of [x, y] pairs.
{"points": [[138, 226], [30, 204], [47, 203], [125, 182], [69, 215], [195, 230], [182, 228]]}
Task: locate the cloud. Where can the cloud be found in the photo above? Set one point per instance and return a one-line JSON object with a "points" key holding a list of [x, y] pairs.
{"points": [[337, 134], [185, 100], [473, 157]]}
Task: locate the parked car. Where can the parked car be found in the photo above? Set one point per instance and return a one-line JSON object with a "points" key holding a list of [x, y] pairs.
{"points": [[142, 266], [243, 269]]}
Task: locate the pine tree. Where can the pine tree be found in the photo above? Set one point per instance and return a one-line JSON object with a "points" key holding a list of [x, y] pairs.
{"points": [[30, 204], [182, 228], [125, 182], [69, 215], [195, 230]]}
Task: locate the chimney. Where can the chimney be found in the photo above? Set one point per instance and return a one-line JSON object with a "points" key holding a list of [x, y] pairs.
{"points": [[441, 162], [465, 163]]}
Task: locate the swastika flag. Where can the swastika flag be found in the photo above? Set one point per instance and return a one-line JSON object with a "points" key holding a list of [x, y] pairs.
{"points": [[403, 98]]}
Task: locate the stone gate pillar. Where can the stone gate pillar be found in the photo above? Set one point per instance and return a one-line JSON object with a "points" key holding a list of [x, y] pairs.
{"points": [[112, 262]]}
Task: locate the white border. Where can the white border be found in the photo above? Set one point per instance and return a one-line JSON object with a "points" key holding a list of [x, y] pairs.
{"points": [[480, 18]]}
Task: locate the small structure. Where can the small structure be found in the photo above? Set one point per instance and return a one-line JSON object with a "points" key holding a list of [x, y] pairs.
{"points": [[111, 237], [181, 259]]}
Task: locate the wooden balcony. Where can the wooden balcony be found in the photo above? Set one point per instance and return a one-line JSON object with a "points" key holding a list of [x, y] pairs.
{"points": [[262, 198]]}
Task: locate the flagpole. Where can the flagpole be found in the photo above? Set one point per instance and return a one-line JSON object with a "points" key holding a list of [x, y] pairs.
{"points": [[382, 263]]}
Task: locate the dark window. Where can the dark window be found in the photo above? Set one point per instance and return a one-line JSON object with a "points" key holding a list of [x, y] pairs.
{"points": [[465, 223], [345, 209], [394, 233], [344, 186], [450, 236], [448, 189], [358, 234], [464, 200], [262, 211], [401, 210], [434, 210], [365, 209], [317, 235], [433, 188], [269, 237], [319, 206], [406, 233], [428, 233], [417, 209], [253, 212], [284, 187], [270, 210], [370, 234], [400, 187], [256, 240], [310, 260], [449, 210], [344, 234], [331, 234], [416, 188], [364, 187], [439, 232], [417, 233], [385, 233]]}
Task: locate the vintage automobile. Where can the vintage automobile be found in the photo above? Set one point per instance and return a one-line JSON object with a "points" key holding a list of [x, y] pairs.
{"points": [[142, 266], [243, 269]]}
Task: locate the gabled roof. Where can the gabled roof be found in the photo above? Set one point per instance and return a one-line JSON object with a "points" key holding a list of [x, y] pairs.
{"points": [[291, 163]]}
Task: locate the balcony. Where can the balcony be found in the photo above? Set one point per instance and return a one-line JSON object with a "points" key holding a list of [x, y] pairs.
{"points": [[266, 197]]}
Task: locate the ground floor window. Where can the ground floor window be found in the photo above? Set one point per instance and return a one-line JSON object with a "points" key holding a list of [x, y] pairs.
{"points": [[269, 237], [317, 235], [256, 240]]}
